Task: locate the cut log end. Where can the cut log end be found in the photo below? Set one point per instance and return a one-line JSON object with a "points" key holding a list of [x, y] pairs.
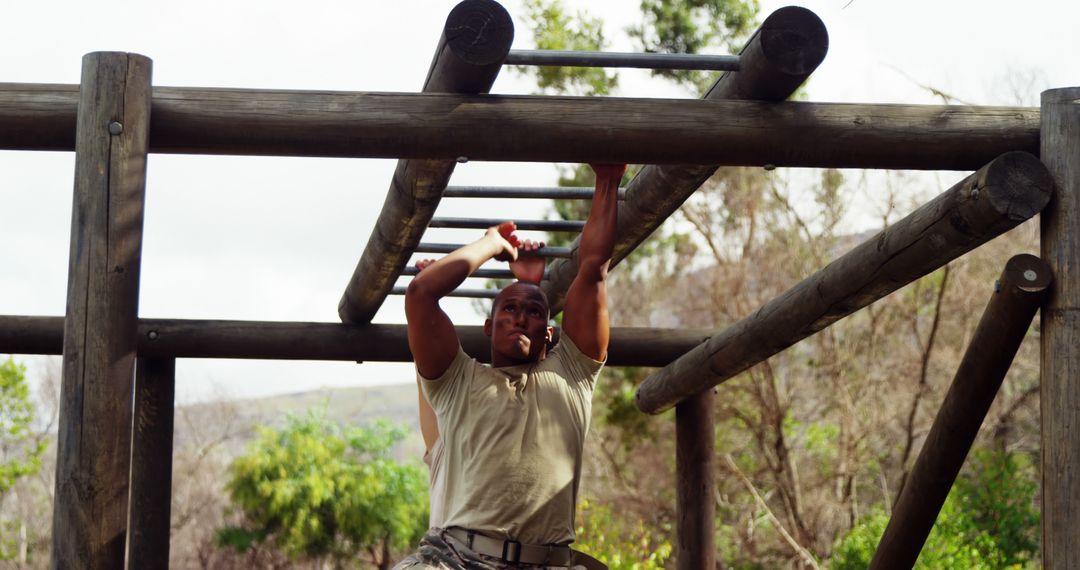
{"points": [[1027, 273], [1017, 185], [479, 32], [795, 40]]}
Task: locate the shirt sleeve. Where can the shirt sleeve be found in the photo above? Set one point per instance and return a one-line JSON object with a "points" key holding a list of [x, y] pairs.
{"points": [[580, 366], [440, 391]]}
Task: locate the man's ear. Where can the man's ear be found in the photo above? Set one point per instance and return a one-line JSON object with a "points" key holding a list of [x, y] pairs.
{"points": [[550, 335], [487, 327]]}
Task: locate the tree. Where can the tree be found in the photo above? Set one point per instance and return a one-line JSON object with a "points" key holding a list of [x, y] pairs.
{"points": [[316, 492], [20, 448], [989, 521]]}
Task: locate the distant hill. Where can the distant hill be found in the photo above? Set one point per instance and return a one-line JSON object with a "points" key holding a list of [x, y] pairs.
{"points": [[349, 407]]}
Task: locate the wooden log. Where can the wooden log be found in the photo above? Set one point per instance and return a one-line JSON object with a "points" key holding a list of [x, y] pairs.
{"points": [[1061, 333], [475, 40], [94, 436], [781, 54], [1004, 324], [151, 464], [695, 482], [1010, 189], [176, 338], [556, 129]]}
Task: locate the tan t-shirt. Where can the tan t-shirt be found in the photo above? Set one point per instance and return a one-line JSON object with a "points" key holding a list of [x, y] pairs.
{"points": [[512, 441]]}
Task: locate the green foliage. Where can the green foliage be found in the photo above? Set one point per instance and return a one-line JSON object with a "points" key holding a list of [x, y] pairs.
{"points": [[621, 544], [667, 26], [988, 522], [694, 26], [1000, 499], [20, 450], [317, 492], [555, 29]]}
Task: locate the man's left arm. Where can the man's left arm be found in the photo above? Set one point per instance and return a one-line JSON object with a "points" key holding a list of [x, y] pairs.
{"points": [[585, 318]]}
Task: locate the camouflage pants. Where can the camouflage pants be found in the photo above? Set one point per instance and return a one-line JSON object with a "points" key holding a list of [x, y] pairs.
{"points": [[440, 551]]}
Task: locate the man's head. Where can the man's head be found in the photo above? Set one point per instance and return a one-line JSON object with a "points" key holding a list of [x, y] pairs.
{"points": [[518, 325]]}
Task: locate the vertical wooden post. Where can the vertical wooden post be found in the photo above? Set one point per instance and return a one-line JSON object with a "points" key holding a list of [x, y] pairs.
{"points": [[695, 476], [1002, 328], [151, 464], [1060, 391], [94, 439]]}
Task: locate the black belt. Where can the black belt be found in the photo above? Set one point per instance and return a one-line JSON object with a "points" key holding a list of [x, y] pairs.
{"points": [[513, 551]]}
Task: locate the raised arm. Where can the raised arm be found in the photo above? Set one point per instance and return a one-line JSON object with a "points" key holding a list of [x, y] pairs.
{"points": [[432, 339], [585, 317]]}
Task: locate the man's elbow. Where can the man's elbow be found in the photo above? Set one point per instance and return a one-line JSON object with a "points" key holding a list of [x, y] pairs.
{"points": [[594, 267], [419, 290]]}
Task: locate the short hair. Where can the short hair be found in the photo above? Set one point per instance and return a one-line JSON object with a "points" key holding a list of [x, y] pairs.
{"points": [[495, 301]]}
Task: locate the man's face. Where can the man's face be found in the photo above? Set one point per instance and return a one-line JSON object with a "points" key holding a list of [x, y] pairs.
{"points": [[518, 325]]}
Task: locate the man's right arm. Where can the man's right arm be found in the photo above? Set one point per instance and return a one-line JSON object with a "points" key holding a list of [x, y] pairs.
{"points": [[432, 339]]}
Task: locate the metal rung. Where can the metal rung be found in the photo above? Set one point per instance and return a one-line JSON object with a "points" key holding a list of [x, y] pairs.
{"points": [[449, 247], [550, 193], [470, 293], [619, 59], [479, 273], [485, 223]]}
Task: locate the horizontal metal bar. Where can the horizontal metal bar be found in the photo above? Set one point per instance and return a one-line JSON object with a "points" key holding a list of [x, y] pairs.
{"points": [[529, 225], [564, 252], [552, 193], [540, 128], [694, 61], [468, 293], [177, 338], [479, 273]]}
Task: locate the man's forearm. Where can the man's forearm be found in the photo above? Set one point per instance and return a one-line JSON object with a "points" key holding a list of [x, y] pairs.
{"points": [[446, 274], [598, 237]]}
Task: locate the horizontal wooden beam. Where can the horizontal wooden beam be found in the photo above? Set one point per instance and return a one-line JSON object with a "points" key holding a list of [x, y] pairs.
{"points": [[176, 338], [1010, 189], [541, 128]]}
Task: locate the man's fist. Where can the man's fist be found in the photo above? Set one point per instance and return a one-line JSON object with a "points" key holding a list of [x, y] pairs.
{"points": [[529, 266]]}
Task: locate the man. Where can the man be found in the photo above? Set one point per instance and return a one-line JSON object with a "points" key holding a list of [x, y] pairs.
{"points": [[511, 435]]}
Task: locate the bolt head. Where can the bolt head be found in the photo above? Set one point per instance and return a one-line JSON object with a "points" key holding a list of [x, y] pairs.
{"points": [[463, 159], [1030, 275], [152, 335], [115, 128]]}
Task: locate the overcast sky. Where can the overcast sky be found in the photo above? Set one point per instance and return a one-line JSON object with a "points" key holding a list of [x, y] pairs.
{"points": [[277, 238]]}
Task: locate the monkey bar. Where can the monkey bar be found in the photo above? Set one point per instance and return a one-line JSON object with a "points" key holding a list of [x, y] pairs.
{"points": [[560, 58]]}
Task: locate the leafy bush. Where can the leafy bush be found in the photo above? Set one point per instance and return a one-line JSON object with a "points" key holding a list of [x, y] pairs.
{"points": [[316, 492], [988, 522]]}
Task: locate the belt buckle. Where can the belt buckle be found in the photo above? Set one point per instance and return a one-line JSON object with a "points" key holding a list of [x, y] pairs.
{"points": [[517, 551]]}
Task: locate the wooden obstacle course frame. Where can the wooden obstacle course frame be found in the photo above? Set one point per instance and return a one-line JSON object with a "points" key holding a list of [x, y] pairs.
{"points": [[430, 133]]}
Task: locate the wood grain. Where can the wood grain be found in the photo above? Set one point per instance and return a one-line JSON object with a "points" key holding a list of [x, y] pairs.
{"points": [[695, 482], [1003, 326], [475, 40], [550, 129], [1010, 189], [1060, 388], [178, 338], [94, 437], [151, 464]]}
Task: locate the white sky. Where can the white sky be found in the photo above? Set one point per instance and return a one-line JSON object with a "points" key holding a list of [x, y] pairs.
{"points": [[278, 238]]}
